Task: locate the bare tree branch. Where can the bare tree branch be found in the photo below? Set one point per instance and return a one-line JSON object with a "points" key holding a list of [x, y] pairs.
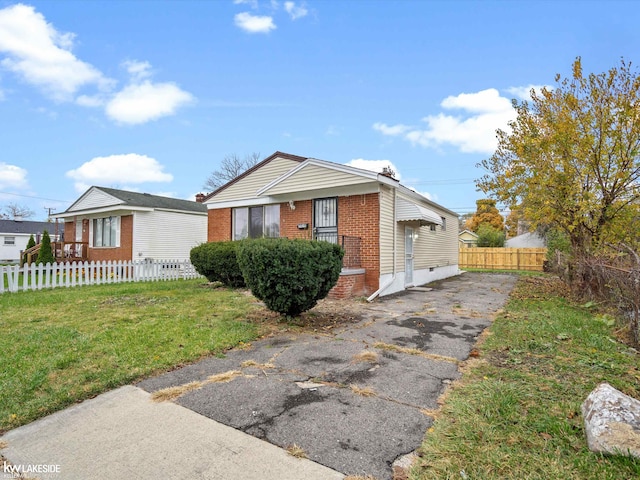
{"points": [[13, 210], [232, 165]]}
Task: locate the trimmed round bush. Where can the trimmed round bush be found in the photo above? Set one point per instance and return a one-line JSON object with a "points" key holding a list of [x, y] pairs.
{"points": [[217, 261], [290, 276]]}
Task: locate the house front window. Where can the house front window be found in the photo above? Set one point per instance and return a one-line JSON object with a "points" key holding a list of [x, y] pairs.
{"points": [[256, 222], [106, 232], [9, 240]]}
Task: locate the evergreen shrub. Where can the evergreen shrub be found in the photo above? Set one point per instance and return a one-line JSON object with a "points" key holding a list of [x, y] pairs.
{"points": [[290, 276], [217, 261]]}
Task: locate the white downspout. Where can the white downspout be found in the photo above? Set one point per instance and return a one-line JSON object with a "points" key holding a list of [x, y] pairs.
{"points": [[393, 277]]}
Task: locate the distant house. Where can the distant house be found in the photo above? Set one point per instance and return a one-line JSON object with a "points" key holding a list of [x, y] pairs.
{"points": [[110, 224], [467, 239], [14, 236], [526, 240], [394, 238]]}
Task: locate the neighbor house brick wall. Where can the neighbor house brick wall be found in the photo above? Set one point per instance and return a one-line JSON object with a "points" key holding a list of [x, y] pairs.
{"points": [[219, 225], [69, 231], [123, 252], [359, 216], [289, 219]]}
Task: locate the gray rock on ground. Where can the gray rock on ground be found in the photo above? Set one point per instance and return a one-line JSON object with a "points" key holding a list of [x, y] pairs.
{"points": [[612, 422]]}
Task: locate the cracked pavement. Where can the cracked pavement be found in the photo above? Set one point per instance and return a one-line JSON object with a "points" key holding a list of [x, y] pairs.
{"points": [[359, 398]]}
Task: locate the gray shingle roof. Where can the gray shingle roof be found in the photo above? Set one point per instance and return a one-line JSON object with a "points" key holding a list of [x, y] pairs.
{"points": [[25, 227], [136, 199]]}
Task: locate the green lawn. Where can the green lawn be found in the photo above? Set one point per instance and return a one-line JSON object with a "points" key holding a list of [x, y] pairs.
{"points": [[516, 412], [61, 346]]}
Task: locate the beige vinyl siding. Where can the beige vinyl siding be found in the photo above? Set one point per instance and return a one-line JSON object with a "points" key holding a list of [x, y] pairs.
{"points": [[167, 235], [247, 187], [432, 248], [312, 177], [96, 199], [387, 208]]}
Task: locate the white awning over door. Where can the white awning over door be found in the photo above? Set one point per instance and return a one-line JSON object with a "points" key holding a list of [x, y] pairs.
{"points": [[411, 212]]}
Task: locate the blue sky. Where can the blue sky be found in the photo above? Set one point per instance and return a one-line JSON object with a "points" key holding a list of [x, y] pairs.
{"points": [[151, 95]]}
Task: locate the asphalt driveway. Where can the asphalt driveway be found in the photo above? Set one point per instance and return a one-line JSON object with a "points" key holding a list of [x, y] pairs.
{"points": [[360, 398]]}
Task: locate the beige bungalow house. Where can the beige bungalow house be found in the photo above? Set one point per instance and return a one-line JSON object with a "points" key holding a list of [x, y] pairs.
{"points": [[112, 224], [394, 238], [468, 239]]}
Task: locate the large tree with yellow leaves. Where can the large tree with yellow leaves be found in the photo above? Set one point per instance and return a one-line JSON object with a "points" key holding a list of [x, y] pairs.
{"points": [[571, 158]]}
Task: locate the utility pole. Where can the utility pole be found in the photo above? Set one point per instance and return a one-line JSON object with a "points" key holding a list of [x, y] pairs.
{"points": [[49, 210]]}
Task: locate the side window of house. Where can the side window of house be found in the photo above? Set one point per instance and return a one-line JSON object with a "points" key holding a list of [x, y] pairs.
{"points": [[9, 240], [444, 223], [432, 227], [106, 232], [256, 222]]}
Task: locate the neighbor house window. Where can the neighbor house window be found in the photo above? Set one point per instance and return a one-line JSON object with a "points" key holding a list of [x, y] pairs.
{"points": [[9, 240], [105, 232], [256, 222]]}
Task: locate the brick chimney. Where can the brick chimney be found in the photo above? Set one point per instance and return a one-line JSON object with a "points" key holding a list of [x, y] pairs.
{"points": [[388, 172], [200, 197]]}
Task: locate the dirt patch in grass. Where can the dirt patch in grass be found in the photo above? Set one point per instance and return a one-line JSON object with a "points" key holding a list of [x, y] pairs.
{"points": [[324, 317]]}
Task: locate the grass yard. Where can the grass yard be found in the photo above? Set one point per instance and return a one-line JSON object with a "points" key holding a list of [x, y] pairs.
{"points": [[61, 346], [516, 411]]}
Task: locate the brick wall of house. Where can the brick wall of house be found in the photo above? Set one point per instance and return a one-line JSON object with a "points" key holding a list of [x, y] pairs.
{"points": [[219, 225], [69, 231], [349, 286], [359, 216], [289, 219], [123, 252]]}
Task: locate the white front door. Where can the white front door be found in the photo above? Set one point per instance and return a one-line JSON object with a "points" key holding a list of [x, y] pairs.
{"points": [[78, 230], [408, 256]]}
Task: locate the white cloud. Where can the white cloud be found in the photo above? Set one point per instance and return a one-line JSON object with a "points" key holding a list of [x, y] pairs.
{"points": [[254, 23], [118, 169], [374, 166], [12, 177], [524, 93], [42, 56], [295, 11], [138, 70], [473, 131], [140, 103], [251, 3], [391, 130]]}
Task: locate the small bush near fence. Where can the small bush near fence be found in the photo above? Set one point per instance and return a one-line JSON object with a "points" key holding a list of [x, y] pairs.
{"points": [[217, 261], [290, 276], [612, 279]]}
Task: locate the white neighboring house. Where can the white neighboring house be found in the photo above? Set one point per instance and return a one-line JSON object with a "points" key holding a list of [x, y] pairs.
{"points": [[526, 240], [111, 224], [14, 236]]}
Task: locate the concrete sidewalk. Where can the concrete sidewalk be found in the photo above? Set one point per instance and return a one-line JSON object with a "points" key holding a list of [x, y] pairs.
{"points": [[123, 434]]}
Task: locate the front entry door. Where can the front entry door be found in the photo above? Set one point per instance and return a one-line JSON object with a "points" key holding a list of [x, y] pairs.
{"points": [[325, 219], [408, 256]]}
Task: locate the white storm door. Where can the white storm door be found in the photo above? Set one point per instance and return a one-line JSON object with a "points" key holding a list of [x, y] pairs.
{"points": [[408, 256]]}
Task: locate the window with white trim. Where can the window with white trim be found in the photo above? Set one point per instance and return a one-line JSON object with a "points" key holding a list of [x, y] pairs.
{"points": [[106, 232], [9, 240], [256, 222]]}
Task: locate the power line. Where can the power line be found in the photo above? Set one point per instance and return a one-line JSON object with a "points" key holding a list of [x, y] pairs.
{"points": [[37, 198]]}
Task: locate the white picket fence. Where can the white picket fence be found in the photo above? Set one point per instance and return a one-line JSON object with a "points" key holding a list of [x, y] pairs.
{"points": [[37, 277]]}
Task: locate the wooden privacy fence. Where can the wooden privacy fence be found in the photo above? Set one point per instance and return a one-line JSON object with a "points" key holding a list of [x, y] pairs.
{"points": [[37, 277], [502, 258]]}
